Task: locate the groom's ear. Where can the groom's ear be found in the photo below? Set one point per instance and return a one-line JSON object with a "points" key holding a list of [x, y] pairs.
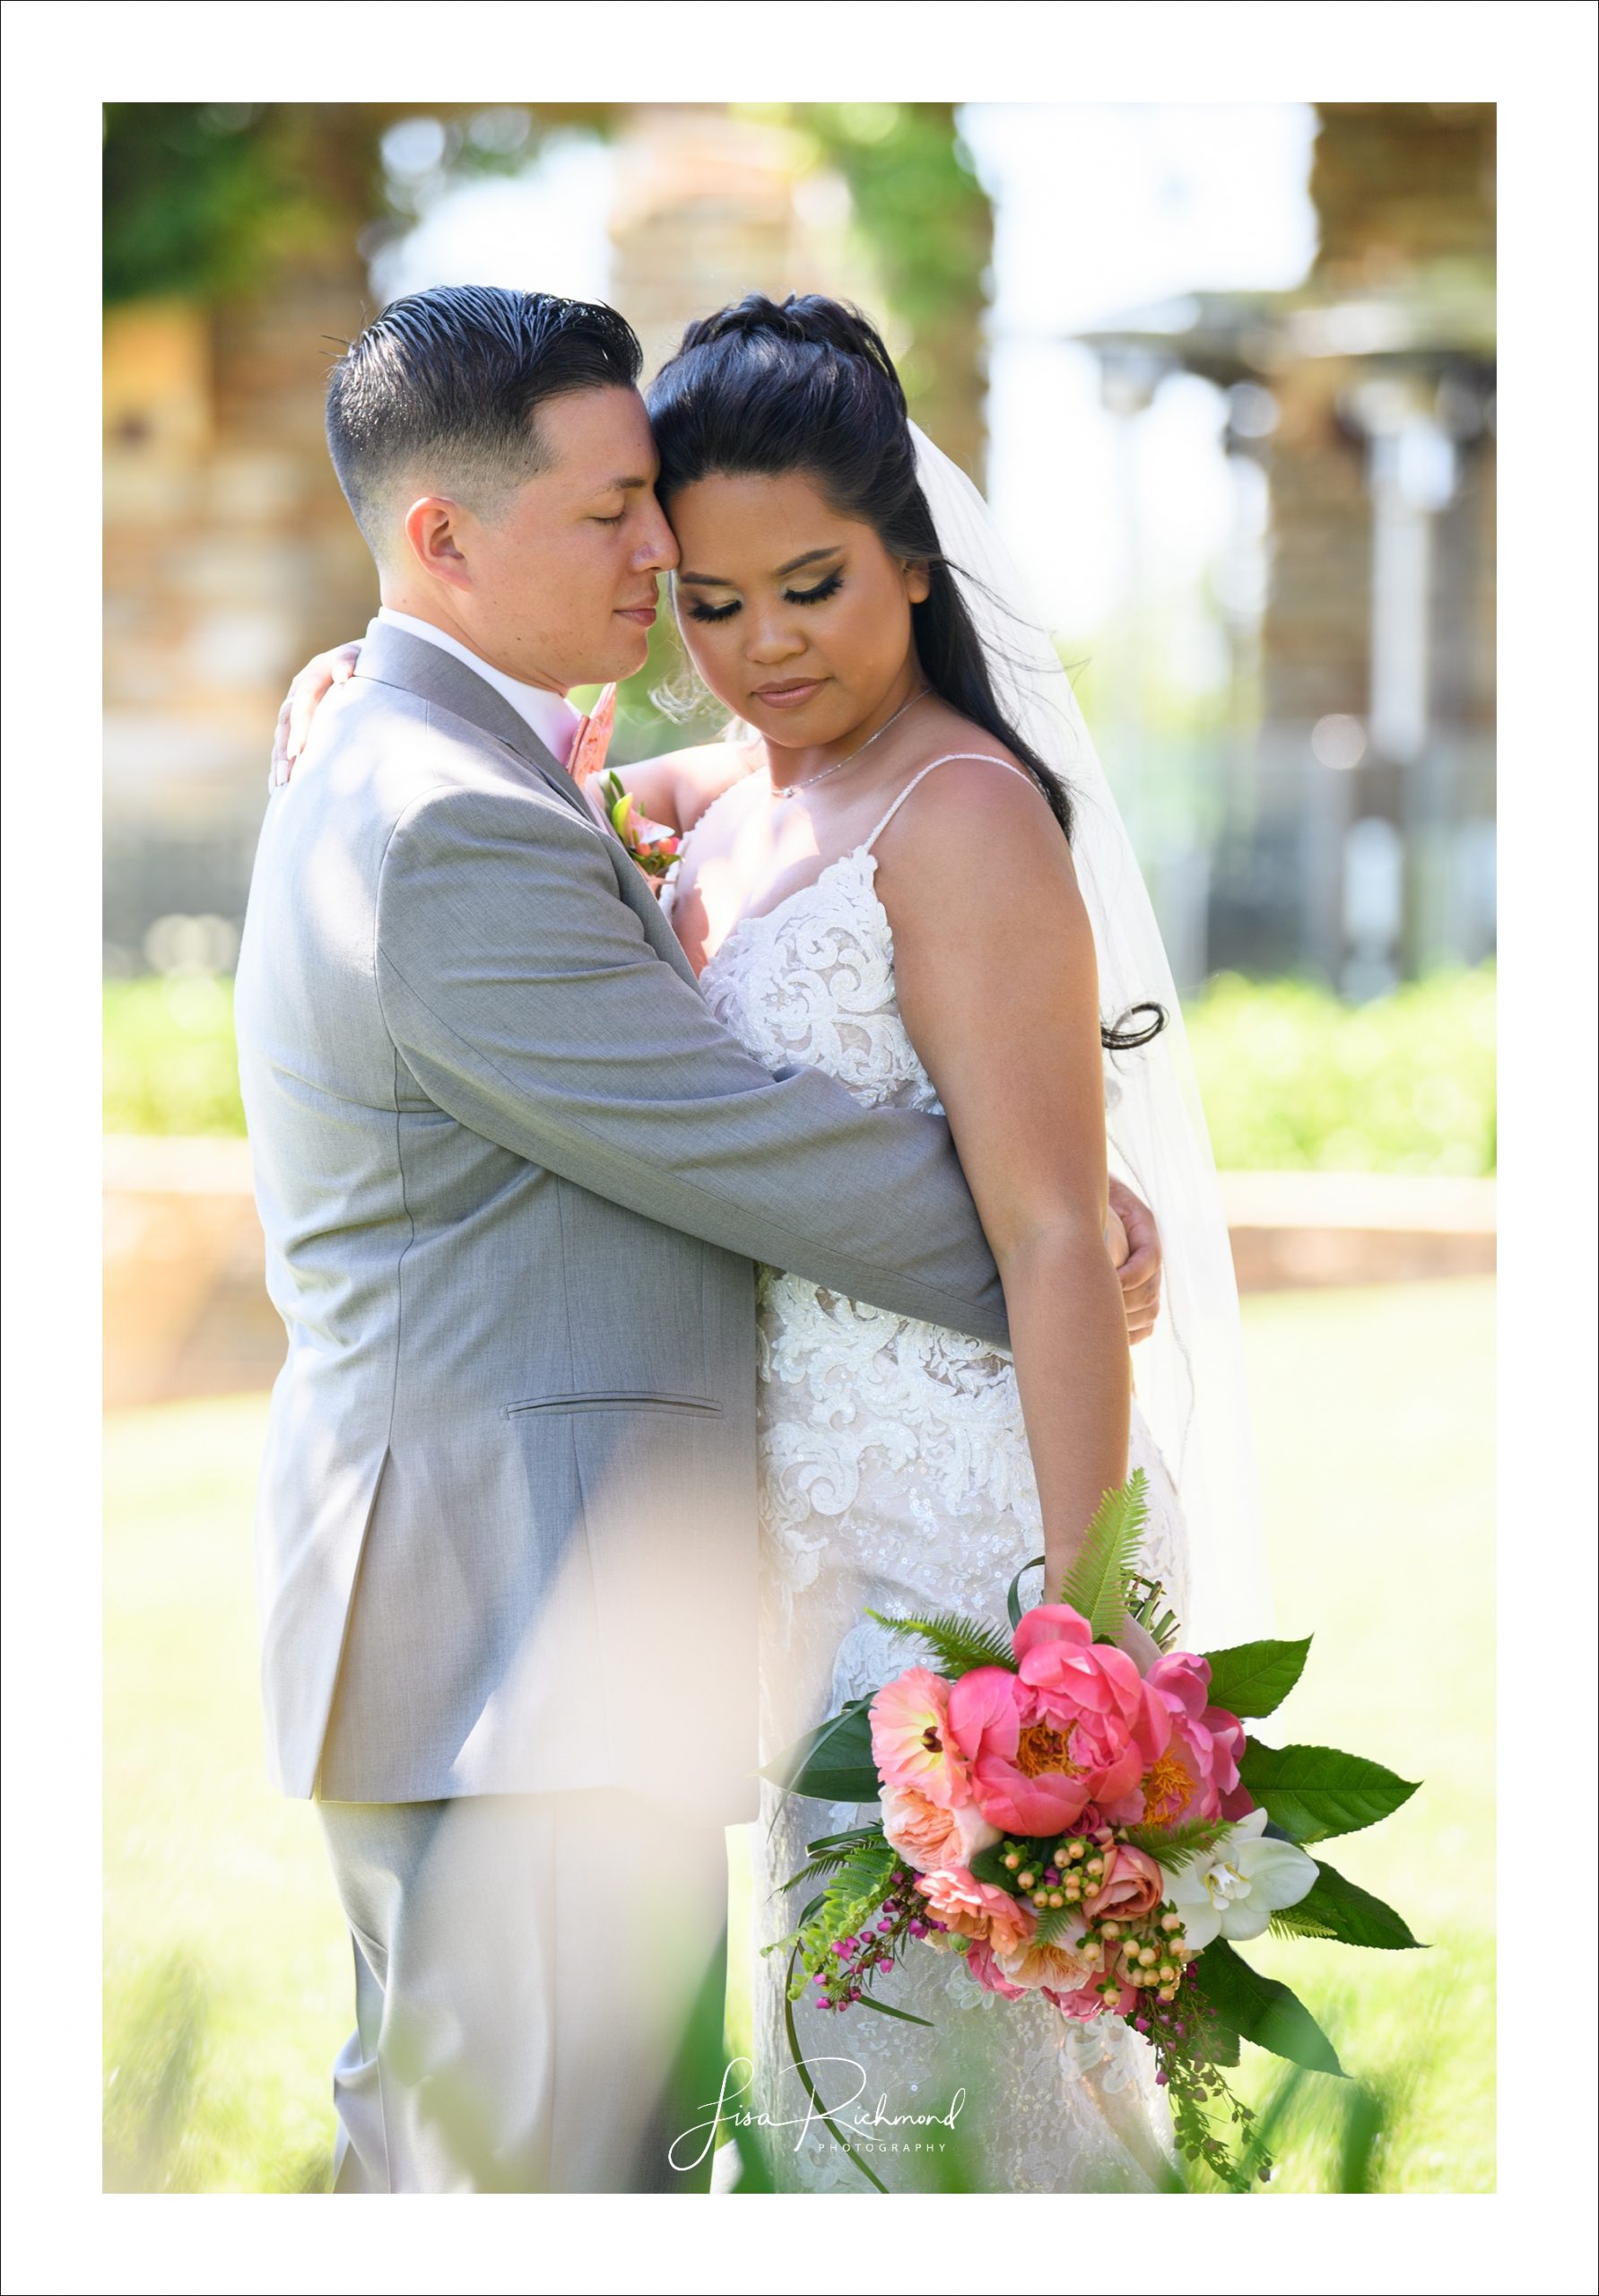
{"points": [[433, 532]]}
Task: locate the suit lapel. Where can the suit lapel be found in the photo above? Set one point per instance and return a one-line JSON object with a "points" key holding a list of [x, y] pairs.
{"points": [[391, 657]]}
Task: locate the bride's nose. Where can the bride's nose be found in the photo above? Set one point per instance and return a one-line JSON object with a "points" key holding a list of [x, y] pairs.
{"points": [[770, 638]]}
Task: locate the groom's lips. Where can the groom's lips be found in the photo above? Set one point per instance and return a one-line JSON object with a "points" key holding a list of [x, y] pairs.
{"points": [[643, 615]]}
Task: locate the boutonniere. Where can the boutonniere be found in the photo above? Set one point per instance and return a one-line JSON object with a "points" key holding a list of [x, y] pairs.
{"points": [[652, 847]]}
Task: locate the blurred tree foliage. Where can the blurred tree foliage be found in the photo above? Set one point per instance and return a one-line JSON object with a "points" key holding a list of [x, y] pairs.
{"points": [[201, 201]]}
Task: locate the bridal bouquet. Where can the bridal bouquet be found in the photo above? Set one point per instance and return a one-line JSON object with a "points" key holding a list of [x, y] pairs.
{"points": [[1070, 1827]]}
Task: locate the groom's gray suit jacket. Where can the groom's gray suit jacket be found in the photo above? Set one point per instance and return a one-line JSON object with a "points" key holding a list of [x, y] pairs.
{"points": [[513, 1176]]}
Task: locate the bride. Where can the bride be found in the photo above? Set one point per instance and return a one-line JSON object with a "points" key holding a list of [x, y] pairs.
{"points": [[888, 893], [910, 873]]}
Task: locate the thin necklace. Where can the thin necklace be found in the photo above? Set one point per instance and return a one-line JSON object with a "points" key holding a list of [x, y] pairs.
{"points": [[792, 788]]}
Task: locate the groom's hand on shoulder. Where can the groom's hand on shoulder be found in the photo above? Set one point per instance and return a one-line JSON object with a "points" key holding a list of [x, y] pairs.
{"points": [[1139, 1271]]}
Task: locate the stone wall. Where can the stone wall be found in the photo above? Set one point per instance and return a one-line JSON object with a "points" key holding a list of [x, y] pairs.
{"points": [[229, 557]]}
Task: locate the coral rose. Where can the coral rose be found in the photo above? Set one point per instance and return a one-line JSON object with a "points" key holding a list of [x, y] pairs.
{"points": [[1131, 1884], [975, 1909], [927, 1836], [910, 1739]]}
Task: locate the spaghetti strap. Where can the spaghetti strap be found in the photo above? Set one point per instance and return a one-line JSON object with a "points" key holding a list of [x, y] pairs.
{"points": [[980, 757]]}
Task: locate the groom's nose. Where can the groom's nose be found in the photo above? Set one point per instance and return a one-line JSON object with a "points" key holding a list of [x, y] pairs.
{"points": [[658, 551]]}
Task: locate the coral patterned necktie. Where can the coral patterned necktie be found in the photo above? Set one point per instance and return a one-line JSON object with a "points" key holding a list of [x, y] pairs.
{"points": [[592, 738]]}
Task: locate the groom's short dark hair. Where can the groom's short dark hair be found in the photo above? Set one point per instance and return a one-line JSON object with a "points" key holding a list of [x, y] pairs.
{"points": [[443, 387]]}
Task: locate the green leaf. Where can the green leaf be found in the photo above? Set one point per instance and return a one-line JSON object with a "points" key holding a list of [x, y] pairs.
{"points": [[1254, 1678], [1178, 1845], [987, 1867], [1261, 2010], [1013, 1593], [1095, 1585], [834, 1762], [1314, 1792], [1338, 1909], [959, 1643]]}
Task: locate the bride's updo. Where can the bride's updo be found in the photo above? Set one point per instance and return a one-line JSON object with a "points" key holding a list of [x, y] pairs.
{"points": [[762, 390]]}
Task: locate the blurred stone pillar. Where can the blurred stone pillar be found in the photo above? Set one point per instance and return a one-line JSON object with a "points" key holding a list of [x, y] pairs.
{"points": [[709, 208]]}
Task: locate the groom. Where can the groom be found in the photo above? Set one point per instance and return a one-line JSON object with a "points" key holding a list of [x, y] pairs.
{"points": [[513, 1176]]}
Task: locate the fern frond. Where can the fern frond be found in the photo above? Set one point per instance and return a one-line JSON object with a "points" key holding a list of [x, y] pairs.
{"points": [[859, 1885], [1055, 1922], [1178, 1845], [1290, 1922], [958, 1643], [828, 1851], [1095, 1584]]}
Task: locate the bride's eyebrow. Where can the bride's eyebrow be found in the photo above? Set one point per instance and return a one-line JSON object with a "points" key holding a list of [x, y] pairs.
{"points": [[720, 581]]}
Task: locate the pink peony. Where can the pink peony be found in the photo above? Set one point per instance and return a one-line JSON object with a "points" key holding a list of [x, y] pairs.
{"points": [[1074, 1726], [927, 1835], [1199, 1764], [975, 1909], [910, 1739]]}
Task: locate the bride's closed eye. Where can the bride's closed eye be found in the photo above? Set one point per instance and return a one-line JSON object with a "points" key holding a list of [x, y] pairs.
{"points": [[834, 583]]}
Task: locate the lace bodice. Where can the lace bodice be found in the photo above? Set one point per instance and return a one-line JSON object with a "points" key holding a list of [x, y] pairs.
{"points": [[813, 979], [894, 1473]]}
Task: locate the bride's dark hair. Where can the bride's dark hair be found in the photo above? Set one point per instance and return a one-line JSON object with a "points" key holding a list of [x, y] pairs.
{"points": [[763, 389]]}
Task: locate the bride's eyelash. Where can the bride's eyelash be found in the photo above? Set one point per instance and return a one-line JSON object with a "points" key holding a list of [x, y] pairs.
{"points": [[699, 612], [825, 590]]}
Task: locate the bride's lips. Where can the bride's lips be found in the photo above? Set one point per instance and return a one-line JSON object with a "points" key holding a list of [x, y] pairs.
{"points": [[790, 695]]}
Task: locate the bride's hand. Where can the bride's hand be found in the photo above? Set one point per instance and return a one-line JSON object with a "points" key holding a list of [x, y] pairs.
{"points": [[321, 672], [1135, 1253]]}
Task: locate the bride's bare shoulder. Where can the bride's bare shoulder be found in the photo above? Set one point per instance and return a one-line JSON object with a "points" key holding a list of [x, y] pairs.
{"points": [[982, 822], [977, 779]]}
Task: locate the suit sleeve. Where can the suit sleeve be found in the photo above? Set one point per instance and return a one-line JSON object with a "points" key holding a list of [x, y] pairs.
{"points": [[522, 994]]}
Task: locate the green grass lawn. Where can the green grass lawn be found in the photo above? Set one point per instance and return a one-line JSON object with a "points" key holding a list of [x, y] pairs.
{"points": [[227, 1980]]}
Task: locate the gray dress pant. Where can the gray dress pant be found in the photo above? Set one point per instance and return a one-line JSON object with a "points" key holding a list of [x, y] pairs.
{"points": [[525, 1965]]}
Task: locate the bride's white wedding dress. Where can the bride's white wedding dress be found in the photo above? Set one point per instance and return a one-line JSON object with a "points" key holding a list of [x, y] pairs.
{"points": [[895, 1473]]}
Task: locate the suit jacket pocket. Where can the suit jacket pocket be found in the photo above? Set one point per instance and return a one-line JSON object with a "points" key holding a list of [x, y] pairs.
{"points": [[614, 1399]]}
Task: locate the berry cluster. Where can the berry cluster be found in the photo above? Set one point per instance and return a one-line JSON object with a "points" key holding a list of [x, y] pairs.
{"points": [[839, 1976], [1070, 1873]]}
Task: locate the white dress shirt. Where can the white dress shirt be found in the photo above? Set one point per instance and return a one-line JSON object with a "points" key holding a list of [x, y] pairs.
{"points": [[551, 715]]}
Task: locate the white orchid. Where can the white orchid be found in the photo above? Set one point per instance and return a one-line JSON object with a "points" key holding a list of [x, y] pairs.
{"points": [[1233, 1889]]}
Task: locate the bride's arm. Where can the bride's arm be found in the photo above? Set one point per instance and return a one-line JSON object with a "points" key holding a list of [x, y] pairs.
{"points": [[676, 788], [994, 965]]}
